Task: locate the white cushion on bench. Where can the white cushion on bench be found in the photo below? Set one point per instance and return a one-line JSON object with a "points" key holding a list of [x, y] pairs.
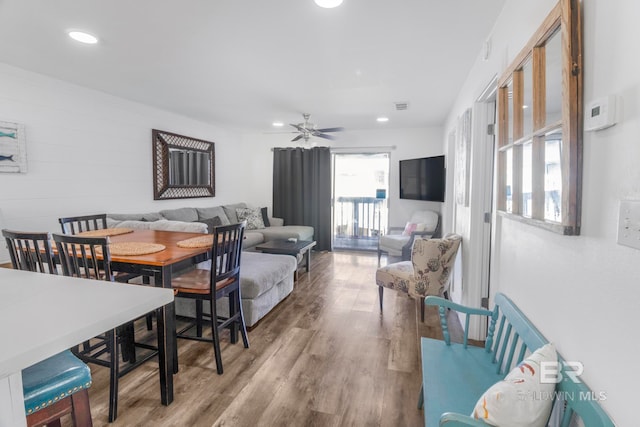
{"points": [[521, 399]]}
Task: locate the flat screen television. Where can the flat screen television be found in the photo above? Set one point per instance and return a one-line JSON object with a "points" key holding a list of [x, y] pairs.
{"points": [[423, 179]]}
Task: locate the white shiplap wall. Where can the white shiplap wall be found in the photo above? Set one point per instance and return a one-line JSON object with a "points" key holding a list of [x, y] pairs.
{"points": [[89, 152]]}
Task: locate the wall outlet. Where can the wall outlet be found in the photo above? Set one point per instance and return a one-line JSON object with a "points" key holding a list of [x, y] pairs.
{"points": [[629, 223]]}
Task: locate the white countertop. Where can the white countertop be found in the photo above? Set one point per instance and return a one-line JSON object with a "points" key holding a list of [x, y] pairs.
{"points": [[43, 314]]}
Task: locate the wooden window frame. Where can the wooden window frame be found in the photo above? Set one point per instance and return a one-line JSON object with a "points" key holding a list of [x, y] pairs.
{"points": [[565, 18]]}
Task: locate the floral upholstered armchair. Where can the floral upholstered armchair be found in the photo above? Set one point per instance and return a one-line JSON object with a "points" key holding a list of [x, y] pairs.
{"points": [[427, 273]]}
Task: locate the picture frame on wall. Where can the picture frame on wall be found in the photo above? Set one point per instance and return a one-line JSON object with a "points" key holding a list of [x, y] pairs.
{"points": [[13, 148], [183, 167]]}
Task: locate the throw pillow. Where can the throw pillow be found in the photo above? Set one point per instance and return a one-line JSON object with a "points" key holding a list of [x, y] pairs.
{"points": [[520, 400], [252, 216], [230, 211], [206, 213], [265, 217], [211, 223], [409, 228]]}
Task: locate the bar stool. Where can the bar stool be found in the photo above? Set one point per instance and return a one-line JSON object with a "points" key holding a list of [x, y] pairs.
{"points": [[55, 387]]}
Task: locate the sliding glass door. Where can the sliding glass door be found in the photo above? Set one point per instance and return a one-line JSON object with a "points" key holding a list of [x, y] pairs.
{"points": [[360, 189]]}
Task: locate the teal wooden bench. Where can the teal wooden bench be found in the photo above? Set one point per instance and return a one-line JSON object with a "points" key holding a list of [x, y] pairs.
{"points": [[455, 375]]}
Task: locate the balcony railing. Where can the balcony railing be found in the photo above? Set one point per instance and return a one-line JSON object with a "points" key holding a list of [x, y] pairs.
{"points": [[358, 222]]}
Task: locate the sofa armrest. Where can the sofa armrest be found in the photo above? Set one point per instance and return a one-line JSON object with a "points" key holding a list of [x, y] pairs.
{"points": [[276, 222], [390, 229]]}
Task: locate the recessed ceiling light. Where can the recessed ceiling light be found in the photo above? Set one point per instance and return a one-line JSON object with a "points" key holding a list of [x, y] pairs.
{"points": [[278, 124], [83, 37], [382, 119], [328, 4]]}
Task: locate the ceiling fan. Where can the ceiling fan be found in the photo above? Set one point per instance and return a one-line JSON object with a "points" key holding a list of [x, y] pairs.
{"points": [[307, 129]]}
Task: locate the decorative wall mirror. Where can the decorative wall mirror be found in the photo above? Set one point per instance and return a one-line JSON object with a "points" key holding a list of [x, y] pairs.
{"points": [[540, 126], [183, 167]]}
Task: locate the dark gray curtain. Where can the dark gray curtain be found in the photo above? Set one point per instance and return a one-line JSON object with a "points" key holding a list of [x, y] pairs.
{"points": [[302, 190]]}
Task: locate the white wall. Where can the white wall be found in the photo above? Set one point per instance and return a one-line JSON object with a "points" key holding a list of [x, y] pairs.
{"points": [[89, 152], [410, 143], [582, 291]]}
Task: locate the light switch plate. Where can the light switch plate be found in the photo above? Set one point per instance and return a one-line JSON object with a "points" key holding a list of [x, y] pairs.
{"points": [[629, 223]]}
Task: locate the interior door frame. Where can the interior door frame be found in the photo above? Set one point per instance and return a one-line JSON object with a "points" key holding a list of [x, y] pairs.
{"points": [[482, 211]]}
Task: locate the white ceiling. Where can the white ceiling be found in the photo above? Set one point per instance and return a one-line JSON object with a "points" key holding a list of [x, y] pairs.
{"points": [[246, 63]]}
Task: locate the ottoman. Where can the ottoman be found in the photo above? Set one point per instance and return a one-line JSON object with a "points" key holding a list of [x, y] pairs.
{"points": [[265, 280]]}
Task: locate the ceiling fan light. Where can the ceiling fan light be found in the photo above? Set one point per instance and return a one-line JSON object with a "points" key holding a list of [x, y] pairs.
{"points": [[328, 4], [82, 37], [278, 124]]}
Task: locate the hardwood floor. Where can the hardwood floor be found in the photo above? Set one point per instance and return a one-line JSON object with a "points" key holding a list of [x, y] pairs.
{"points": [[323, 357]]}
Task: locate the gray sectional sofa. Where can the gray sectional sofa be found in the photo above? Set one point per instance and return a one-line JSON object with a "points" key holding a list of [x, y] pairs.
{"points": [[265, 279], [202, 220]]}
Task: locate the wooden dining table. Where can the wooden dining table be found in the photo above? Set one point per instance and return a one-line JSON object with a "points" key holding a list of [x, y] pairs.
{"points": [[159, 266]]}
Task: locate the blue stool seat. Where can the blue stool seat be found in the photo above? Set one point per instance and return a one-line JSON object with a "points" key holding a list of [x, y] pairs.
{"points": [[52, 380]]}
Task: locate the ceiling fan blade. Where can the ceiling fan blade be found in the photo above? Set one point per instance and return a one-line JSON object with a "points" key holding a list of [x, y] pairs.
{"points": [[299, 127], [330, 130], [297, 137], [324, 135], [279, 132]]}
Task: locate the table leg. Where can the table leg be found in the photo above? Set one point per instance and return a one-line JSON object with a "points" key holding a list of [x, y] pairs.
{"points": [[165, 279], [165, 326], [167, 349], [12, 401]]}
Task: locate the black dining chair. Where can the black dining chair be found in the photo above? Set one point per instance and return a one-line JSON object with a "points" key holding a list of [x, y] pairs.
{"points": [[78, 224], [89, 257], [221, 280], [56, 386]]}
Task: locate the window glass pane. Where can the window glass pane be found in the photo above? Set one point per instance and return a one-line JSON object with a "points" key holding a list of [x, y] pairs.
{"points": [[553, 79], [553, 176], [527, 99], [509, 179], [526, 179], [510, 111]]}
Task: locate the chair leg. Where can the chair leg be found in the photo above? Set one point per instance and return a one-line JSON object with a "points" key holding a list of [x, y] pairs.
{"points": [[146, 280], [216, 335], [81, 413], [149, 318], [198, 317], [380, 293], [233, 314], [421, 301], [379, 255], [243, 327], [113, 376], [128, 343]]}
